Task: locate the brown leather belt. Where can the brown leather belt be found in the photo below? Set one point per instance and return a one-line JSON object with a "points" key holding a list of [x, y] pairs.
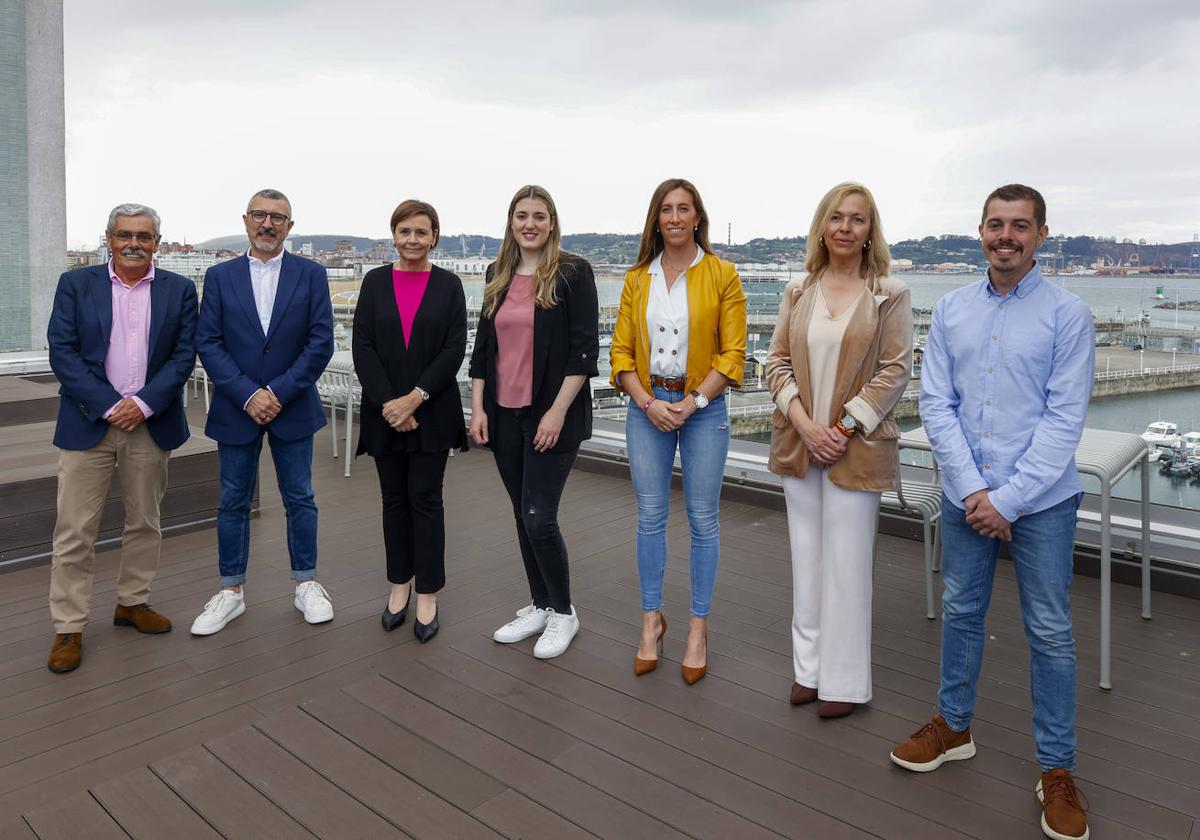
{"points": [[671, 383]]}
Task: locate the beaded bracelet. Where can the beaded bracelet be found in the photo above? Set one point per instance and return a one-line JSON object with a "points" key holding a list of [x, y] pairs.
{"points": [[647, 403]]}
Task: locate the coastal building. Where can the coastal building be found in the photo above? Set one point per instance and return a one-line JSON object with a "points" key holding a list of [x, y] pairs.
{"points": [[33, 235]]}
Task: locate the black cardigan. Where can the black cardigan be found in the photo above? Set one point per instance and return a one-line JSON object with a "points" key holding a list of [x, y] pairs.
{"points": [[566, 343], [388, 369]]}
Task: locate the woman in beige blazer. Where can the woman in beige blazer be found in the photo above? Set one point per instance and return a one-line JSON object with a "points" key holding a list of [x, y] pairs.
{"points": [[840, 359]]}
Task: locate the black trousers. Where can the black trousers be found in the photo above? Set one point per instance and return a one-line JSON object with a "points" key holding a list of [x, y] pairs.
{"points": [[414, 522], [535, 481]]}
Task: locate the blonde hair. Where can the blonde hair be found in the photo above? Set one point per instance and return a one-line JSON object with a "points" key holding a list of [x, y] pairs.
{"points": [[546, 274], [877, 259], [652, 242]]}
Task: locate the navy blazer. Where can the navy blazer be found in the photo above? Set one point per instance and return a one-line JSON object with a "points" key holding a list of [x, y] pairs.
{"points": [[79, 332], [288, 359]]}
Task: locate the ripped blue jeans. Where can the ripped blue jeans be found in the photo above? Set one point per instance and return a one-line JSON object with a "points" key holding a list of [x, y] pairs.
{"points": [[703, 443]]}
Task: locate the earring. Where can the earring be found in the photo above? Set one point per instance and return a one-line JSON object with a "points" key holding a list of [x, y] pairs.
{"points": [[821, 239], [868, 245], [696, 228]]}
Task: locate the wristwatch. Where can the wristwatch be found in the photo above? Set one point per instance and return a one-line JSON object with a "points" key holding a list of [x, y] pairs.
{"points": [[701, 400], [847, 425], [424, 394]]}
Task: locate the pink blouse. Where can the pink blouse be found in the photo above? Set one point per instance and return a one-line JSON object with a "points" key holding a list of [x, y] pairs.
{"points": [[514, 345], [409, 287]]}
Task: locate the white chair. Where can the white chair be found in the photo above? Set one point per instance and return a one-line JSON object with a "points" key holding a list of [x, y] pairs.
{"points": [[339, 388], [923, 500]]}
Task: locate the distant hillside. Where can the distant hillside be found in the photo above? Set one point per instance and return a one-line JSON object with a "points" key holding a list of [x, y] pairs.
{"points": [[621, 248], [321, 242]]}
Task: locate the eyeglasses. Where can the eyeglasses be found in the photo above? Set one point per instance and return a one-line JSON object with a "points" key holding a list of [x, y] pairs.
{"points": [[125, 236], [260, 216]]}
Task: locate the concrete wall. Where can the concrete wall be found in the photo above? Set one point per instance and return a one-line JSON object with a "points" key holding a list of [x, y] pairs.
{"points": [[33, 236], [47, 163]]}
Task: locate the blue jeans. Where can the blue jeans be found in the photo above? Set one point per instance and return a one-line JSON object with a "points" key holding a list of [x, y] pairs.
{"points": [[703, 444], [239, 476], [1042, 547]]}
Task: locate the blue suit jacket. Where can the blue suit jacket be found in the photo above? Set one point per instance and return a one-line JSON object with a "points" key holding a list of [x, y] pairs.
{"points": [[288, 359], [79, 331]]}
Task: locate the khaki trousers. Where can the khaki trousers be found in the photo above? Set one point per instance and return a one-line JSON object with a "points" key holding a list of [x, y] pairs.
{"points": [[83, 482]]}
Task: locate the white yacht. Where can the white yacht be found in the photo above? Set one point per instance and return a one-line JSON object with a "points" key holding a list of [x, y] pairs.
{"points": [[1162, 433]]}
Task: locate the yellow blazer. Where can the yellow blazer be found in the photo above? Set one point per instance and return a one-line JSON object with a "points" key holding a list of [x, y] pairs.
{"points": [[716, 324]]}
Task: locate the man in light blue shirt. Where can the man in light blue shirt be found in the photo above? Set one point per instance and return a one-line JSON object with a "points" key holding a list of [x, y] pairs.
{"points": [[1005, 382]]}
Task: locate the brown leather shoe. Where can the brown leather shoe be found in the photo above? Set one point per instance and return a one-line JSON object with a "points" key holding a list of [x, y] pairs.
{"points": [[835, 709], [1064, 817], [141, 617], [932, 745], [801, 694], [66, 653]]}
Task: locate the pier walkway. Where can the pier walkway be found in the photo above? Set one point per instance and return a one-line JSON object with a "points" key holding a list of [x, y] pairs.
{"points": [[273, 728]]}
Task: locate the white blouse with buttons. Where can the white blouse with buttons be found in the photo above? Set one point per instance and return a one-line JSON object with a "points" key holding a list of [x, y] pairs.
{"points": [[667, 320]]}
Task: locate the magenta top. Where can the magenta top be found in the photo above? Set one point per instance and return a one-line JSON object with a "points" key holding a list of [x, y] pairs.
{"points": [[129, 344], [409, 287], [514, 345]]}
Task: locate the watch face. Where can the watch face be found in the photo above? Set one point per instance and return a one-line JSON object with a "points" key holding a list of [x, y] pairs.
{"points": [[849, 422]]}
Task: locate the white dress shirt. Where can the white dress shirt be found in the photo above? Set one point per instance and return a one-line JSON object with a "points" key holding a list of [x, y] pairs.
{"points": [[264, 279], [667, 320]]}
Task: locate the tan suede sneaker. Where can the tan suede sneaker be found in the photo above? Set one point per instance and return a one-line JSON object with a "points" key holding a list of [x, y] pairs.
{"points": [[1064, 817], [932, 745]]}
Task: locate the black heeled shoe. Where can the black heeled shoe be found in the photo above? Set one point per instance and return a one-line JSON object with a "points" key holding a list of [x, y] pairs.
{"points": [[425, 632], [392, 620]]}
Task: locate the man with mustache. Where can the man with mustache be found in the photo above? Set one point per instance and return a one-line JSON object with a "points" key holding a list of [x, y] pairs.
{"points": [[122, 344], [1005, 384], [265, 336]]}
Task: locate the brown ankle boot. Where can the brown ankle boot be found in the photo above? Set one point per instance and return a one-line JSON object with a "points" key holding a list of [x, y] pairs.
{"points": [[66, 653], [801, 694], [141, 617]]}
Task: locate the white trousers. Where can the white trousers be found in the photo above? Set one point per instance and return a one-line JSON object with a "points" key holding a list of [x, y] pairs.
{"points": [[832, 536]]}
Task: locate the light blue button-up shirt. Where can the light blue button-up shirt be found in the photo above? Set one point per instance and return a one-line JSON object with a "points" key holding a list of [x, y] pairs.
{"points": [[1005, 383]]}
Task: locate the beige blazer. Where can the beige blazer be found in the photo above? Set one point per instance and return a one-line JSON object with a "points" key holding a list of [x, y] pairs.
{"points": [[873, 370]]}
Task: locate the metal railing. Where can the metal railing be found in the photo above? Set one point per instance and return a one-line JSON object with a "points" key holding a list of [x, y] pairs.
{"points": [[1137, 373]]}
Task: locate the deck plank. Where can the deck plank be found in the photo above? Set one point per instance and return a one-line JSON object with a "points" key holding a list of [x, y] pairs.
{"points": [[464, 737]]}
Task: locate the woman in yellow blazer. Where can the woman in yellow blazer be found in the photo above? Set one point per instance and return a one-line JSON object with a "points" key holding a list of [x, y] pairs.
{"points": [[680, 341]]}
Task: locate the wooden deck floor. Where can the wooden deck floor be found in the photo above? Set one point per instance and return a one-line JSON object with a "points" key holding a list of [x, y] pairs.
{"points": [[273, 728]]}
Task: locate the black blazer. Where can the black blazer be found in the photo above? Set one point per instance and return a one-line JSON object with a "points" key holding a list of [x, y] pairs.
{"points": [[566, 342], [388, 369]]}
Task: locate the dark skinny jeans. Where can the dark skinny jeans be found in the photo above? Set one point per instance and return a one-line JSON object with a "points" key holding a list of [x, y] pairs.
{"points": [[535, 481]]}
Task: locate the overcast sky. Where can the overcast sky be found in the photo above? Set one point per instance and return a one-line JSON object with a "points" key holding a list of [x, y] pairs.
{"points": [[350, 107]]}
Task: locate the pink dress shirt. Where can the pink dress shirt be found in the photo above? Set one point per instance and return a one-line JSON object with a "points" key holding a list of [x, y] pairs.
{"points": [[129, 342]]}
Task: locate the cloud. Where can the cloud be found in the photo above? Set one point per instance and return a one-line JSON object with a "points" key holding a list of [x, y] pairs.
{"points": [[764, 104]]}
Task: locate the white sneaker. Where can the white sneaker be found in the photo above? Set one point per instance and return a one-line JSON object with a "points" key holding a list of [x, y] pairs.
{"points": [[529, 622], [221, 609], [560, 630], [313, 601]]}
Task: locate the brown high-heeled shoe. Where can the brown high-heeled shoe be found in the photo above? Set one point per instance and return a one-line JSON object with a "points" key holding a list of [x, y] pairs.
{"points": [[641, 666], [691, 675]]}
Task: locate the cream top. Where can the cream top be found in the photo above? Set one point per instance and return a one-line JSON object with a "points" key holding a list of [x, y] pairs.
{"points": [[825, 334]]}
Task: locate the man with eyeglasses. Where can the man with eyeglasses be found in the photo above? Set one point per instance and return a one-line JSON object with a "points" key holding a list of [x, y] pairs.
{"points": [[265, 336], [122, 344]]}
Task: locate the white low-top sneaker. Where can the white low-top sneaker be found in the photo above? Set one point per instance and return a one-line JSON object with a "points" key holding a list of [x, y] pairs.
{"points": [[313, 601], [221, 609], [560, 630], [529, 622]]}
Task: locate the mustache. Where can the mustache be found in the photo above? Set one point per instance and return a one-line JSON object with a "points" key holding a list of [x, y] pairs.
{"points": [[1004, 243], [133, 252], [262, 231]]}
